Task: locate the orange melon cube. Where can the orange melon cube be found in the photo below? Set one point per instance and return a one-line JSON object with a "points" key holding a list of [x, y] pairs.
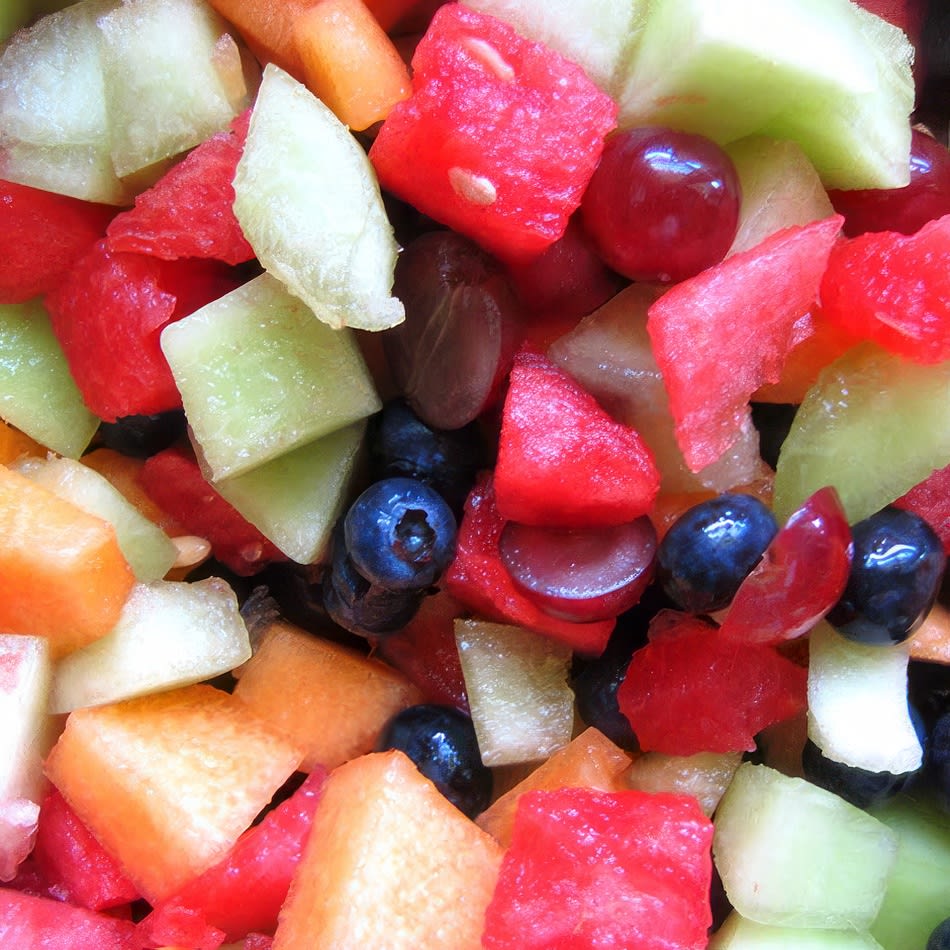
{"points": [[14, 444], [930, 642], [590, 760], [62, 573], [389, 863], [330, 701], [168, 782]]}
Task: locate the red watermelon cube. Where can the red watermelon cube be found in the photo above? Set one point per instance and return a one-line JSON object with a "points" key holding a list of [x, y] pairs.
{"points": [[499, 137]]}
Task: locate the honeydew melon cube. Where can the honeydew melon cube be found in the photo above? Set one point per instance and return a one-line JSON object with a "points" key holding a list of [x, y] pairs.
{"points": [[309, 203], [259, 376], [791, 854], [13, 15], [521, 705], [170, 634], [295, 499], [149, 551], [37, 392], [857, 703], [737, 933], [164, 90]]}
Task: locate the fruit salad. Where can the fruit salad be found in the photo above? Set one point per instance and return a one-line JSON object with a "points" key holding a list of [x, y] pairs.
{"points": [[474, 474]]}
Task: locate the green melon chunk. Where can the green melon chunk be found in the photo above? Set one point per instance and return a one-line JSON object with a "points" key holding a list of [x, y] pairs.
{"points": [[13, 15], [259, 376], [817, 71], [149, 551], [792, 854], [918, 893], [873, 426], [37, 391], [295, 499], [737, 933]]}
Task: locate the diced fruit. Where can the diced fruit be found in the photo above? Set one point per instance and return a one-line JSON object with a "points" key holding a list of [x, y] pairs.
{"points": [[552, 889], [562, 461], [380, 824], [15, 445], [37, 391], [62, 573], [930, 499], [873, 426], [705, 776], [739, 933], [319, 227], [257, 355], [791, 854], [516, 680], [170, 634], [720, 335], [590, 760], [499, 137], [328, 699], [168, 782]]}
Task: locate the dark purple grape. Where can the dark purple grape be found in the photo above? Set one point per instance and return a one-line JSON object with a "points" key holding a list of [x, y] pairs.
{"points": [[662, 205], [581, 574], [451, 353]]}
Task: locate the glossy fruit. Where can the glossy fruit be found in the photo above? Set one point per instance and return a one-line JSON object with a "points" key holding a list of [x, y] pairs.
{"points": [[662, 205], [710, 550], [860, 787], [930, 499]]}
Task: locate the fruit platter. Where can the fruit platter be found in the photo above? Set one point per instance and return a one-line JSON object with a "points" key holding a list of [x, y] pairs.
{"points": [[474, 474]]}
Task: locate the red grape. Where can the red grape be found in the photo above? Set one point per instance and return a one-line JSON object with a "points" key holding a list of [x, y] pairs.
{"points": [[662, 205]]}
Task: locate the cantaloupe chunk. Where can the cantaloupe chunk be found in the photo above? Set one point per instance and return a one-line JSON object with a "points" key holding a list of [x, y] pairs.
{"points": [[62, 573], [590, 760], [391, 864], [168, 782], [15, 444], [328, 699]]}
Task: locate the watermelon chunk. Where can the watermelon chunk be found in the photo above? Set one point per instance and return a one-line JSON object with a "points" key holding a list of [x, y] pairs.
{"points": [[562, 460], [722, 334], [188, 211], [627, 870], [894, 289], [499, 137], [931, 500], [41, 236], [479, 579], [691, 690]]}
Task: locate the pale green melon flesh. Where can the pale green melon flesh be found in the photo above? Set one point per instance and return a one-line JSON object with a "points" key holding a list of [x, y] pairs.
{"points": [[259, 376], [296, 499], [13, 15], [918, 893], [37, 391], [170, 634], [737, 933], [522, 707], [792, 854], [872, 426], [149, 551]]}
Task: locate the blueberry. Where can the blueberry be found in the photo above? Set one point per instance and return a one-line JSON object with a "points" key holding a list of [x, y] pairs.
{"points": [[895, 577], [938, 760], [711, 548], [142, 436], [441, 741], [940, 937], [400, 534], [858, 786], [401, 444]]}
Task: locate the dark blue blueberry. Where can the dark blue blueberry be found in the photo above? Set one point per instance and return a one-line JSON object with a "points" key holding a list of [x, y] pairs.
{"points": [[710, 550], [401, 444], [142, 436], [441, 741], [940, 937], [938, 760], [400, 534], [895, 576]]}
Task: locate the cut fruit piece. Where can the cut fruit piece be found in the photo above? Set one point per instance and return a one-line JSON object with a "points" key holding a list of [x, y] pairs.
{"points": [[295, 499], [259, 376], [590, 760], [705, 776], [738, 933], [791, 854], [872, 426], [62, 573], [16, 445], [37, 391], [168, 782], [522, 707], [329, 700], [146, 547], [857, 703], [170, 634], [389, 863], [318, 226]]}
